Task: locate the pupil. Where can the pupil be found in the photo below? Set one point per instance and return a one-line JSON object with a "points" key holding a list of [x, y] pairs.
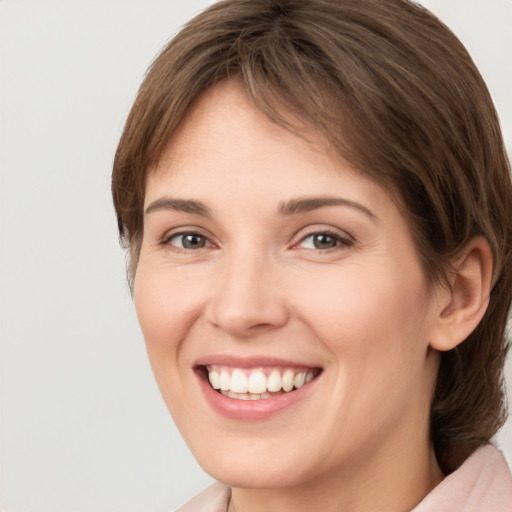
{"points": [[193, 241], [323, 241]]}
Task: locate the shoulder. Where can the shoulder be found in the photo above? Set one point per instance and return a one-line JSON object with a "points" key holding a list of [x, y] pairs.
{"points": [[481, 484], [213, 499]]}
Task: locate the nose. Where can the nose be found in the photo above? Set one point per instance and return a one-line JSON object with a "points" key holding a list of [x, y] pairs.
{"points": [[249, 299]]}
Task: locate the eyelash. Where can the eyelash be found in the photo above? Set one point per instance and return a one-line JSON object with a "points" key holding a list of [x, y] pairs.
{"points": [[339, 241], [167, 241]]}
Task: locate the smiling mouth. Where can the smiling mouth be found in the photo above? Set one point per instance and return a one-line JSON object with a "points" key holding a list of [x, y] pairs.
{"points": [[257, 384]]}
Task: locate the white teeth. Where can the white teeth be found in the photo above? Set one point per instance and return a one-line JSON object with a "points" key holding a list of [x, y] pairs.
{"points": [[288, 380], [254, 385], [299, 380], [245, 396], [213, 377], [224, 380], [237, 396], [239, 382], [274, 382], [257, 382]]}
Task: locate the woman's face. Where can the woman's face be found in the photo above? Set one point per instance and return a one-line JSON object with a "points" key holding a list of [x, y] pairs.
{"points": [[267, 262]]}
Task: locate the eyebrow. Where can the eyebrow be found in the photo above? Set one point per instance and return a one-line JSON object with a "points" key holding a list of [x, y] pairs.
{"points": [[179, 205], [285, 208], [308, 204]]}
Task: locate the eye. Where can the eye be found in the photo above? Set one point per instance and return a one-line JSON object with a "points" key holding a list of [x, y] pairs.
{"points": [[188, 240], [324, 240]]}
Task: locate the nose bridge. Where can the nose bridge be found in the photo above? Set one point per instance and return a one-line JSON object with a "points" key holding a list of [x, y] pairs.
{"points": [[247, 299]]}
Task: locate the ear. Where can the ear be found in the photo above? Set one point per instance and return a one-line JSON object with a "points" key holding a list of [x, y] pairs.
{"points": [[461, 306]]}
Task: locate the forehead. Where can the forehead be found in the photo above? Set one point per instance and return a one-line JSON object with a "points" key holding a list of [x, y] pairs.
{"points": [[225, 110], [225, 125]]}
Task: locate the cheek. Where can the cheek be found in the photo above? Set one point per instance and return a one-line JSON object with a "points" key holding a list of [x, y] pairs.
{"points": [[370, 317], [164, 316], [374, 328]]}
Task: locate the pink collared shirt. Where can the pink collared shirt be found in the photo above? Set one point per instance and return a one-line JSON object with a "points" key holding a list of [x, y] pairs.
{"points": [[482, 484]]}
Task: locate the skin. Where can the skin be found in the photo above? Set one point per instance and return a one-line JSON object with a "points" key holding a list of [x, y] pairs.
{"points": [[258, 286]]}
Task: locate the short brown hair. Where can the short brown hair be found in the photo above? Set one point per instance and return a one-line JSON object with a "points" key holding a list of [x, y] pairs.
{"points": [[389, 86]]}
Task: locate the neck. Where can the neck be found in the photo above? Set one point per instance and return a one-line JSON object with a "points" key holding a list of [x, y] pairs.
{"points": [[386, 482]]}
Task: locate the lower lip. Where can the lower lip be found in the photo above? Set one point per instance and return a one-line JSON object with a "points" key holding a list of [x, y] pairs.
{"points": [[252, 410]]}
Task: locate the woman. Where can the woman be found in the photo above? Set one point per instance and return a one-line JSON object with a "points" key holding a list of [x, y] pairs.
{"points": [[316, 202]]}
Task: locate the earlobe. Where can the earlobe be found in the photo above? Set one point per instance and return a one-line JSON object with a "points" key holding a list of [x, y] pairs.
{"points": [[462, 305]]}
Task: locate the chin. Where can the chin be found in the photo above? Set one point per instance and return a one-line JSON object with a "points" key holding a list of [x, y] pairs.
{"points": [[244, 471]]}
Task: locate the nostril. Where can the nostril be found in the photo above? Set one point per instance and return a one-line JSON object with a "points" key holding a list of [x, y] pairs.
{"points": [[259, 327]]}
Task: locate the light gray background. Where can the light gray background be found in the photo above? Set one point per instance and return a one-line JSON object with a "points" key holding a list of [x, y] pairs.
{"points": [[83, 427]]}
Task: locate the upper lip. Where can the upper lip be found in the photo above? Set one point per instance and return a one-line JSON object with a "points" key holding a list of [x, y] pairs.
{"points": [[250, 362]]}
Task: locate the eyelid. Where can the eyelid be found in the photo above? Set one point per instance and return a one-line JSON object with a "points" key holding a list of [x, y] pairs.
{"points": [[186, 230], [344, 237]]}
